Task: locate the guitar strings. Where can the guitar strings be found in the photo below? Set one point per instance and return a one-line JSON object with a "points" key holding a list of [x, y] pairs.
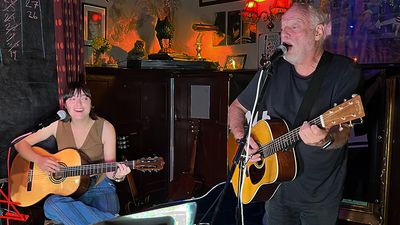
{"points": [[282, 142], [80, 170], [89, 169]]}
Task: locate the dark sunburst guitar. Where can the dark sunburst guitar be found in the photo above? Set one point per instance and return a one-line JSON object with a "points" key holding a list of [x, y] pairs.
{"points": [[276, 143], [29, 184]]}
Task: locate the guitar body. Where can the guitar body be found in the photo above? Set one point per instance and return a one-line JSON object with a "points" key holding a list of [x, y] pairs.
{"points": [[185, 187], [29, 191], [264, 176]]}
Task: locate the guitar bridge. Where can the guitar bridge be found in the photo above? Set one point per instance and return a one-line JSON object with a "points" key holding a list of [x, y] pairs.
{"points": [[30, 175]]}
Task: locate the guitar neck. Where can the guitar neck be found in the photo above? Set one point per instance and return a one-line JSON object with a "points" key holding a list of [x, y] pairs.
{"points": [[285, 141], [91, 169]]}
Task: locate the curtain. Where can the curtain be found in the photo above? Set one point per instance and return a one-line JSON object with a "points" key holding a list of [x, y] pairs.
{"points": [[68, 21]]}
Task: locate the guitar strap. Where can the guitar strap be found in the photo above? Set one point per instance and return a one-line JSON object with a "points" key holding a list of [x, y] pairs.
{"points": [[313, 89]]}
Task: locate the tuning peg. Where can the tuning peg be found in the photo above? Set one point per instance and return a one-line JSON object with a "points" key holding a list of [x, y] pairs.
{"points": [[350, 124], [340, 127], [344, 100], [334, 104], [354, 95]]}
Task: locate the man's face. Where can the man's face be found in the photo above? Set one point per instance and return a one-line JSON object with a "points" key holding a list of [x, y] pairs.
{"points": [[298, 33]]}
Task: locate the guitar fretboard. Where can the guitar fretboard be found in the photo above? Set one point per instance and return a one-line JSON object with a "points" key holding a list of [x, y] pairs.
{"points": [[285, 141], [91, 169]]}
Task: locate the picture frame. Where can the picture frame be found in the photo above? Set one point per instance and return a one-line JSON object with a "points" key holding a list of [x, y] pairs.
{"points": [[235, 62], [94, 22], [267, 43], [213, 2]]}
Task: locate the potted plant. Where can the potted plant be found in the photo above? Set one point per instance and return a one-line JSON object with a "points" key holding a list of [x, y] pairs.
{"points": [[100, 46]]}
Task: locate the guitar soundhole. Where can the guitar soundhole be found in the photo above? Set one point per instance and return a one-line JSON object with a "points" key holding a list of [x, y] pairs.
{"points": [[256, 172], [58, 177]]}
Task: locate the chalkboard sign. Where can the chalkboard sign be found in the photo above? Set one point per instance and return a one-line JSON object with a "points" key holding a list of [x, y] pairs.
{"points": [[28, 81]]}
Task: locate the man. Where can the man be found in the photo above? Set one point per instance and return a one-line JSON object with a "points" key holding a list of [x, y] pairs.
{"points": [[313, 197]]}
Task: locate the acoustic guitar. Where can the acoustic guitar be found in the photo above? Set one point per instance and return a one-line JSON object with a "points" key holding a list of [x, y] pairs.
{"points": [[276, 144], [187, 185], [29, 184]]}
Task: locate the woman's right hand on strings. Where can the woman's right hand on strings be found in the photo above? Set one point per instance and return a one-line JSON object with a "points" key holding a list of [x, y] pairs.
{"points": [[48, 164]]}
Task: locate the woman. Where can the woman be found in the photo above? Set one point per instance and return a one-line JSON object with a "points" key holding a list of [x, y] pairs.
{"points": [[94, 136]]}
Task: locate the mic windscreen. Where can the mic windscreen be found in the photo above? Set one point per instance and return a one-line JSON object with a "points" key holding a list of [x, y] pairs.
{"points": [[283, 47], [62, 114]]}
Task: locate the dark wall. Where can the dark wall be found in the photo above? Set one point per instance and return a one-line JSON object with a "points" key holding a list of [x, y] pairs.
{"points": [[28, 82]]}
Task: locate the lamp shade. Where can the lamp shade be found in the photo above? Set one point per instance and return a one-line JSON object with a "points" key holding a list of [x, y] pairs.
{"points": [[280, 6], [250, 9]]}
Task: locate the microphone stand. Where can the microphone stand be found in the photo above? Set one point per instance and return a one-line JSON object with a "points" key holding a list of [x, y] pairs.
{"points": [[240, 152]]}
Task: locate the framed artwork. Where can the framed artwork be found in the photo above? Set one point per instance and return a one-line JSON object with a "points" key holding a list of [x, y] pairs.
{"points": [[267, 43], [94, 22], [234, 28], [235, 62], [249, 31], [219, 37], [213, 2]]}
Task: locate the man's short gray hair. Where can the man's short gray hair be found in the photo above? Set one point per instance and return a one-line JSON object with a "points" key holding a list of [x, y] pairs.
{"points": [[317, 16]]}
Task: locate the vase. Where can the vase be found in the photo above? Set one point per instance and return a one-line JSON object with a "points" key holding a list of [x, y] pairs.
{"points": [[99, 59]]}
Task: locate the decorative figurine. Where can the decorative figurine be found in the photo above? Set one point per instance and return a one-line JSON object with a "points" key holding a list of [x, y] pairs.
{"points": [[165, 30], [138, 51]]}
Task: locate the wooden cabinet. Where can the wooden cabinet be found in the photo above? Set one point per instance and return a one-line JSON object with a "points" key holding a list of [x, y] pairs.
{"points": [[154, 109]]}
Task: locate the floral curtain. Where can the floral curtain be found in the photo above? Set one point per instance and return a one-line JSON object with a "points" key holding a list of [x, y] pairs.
{"points": [[68, 21]]}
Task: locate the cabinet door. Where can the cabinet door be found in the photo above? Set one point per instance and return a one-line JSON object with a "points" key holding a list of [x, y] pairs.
{"points": [[142, 110], [102, 89], [137, 107]]}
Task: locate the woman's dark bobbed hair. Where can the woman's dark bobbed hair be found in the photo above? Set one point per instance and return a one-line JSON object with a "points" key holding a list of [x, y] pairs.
{"points": [[78, 87]]}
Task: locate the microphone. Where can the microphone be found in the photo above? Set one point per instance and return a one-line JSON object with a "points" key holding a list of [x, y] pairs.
{"points": [[61, 114], [279, 52]]}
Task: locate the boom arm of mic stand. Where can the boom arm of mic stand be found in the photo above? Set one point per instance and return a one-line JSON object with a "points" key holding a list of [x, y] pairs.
{"points": [[242, 143]]}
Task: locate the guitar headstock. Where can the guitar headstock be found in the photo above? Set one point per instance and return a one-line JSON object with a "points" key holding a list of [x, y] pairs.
{"points": [[348, 111], [149, 164], [123, 142], [195, 126]]}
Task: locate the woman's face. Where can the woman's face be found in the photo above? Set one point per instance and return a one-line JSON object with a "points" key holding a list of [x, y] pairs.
{"points": [[78, 106]]}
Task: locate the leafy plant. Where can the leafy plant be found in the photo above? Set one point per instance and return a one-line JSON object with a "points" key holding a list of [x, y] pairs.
{"points": [[101, 45]]}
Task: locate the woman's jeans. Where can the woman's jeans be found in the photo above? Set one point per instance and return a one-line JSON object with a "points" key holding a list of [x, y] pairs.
{"points": [[99, 203]]}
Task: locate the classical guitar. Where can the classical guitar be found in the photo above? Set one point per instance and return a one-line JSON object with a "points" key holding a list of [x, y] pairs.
{"points": [[276, 148], [187, 183], [29, 184]]}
